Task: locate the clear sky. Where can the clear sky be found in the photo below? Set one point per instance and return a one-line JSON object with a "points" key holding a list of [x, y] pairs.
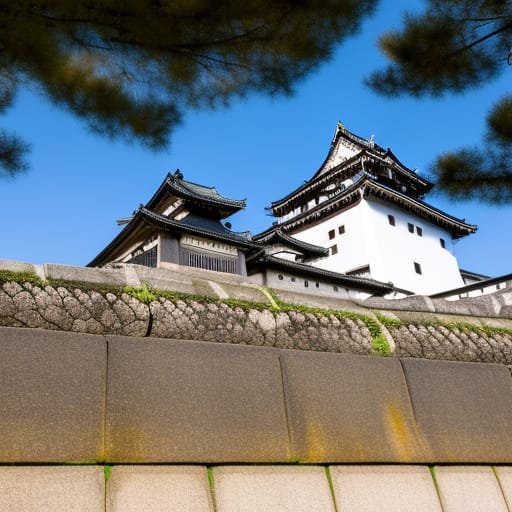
{"points": [[64, 209]]}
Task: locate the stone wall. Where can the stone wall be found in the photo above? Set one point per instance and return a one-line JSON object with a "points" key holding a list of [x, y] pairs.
{"points": [[191, 304]]}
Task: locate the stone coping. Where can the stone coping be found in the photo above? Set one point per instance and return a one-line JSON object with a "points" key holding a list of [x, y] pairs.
{"points": [[221, 488]]}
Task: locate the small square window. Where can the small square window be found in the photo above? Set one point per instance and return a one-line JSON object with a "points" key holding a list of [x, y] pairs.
{"points": [[419, 231], [333, 249], [341, 230], [442, 242], [306, 284], [410, 227], [391, 220], [332, 234], [417, 268]]}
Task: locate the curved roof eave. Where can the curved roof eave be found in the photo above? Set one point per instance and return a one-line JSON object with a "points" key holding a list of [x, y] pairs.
{"points": [[277, 234], [360, 283], [189, 190]]}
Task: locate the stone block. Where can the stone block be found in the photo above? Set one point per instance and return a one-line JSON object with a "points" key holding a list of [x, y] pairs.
{"points": [[464, 409], [384, 489], [52, 489], [347, 408], [272, 489], [101, 276], [159, 489], [51, 396], [183, 401], [469, 489]]}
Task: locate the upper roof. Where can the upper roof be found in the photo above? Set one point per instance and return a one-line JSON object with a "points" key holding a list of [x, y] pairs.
{"points": [[348, 154], [196, 196], [363, 186]]}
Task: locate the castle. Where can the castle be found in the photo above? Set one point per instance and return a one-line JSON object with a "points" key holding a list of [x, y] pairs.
{"points": [[358, 227]]}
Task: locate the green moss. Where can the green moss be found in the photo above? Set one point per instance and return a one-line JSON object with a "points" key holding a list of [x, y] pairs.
{"points": [[275, 301], [392, 324], [380, 345], [26, 276], [331, 487], [106, 471], [480, 330], [211, 483], [142, 294]]}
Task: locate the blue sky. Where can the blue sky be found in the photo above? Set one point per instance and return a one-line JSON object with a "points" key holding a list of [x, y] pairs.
{"points": [[64, 209]]}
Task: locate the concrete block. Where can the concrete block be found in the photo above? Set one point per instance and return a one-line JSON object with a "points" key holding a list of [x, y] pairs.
{"points": [[184, 401], [272, 489], [504, 475], [384, 489], [249, 293], [52, 489], [100, 276], [464, 409], [16, 266], [164, 279], [411, 303], [346, 408], [469, 489], [159, 489], [52, 388]]}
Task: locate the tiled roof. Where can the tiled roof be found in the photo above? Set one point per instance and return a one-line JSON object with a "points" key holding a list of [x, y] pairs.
{"points": [[196, 225], [276, 235], [457, 227], [359, 283]]}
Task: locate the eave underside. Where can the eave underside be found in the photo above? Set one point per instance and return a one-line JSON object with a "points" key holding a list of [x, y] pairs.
{"points": [[363, 161], [364, 188], [145, 223]]}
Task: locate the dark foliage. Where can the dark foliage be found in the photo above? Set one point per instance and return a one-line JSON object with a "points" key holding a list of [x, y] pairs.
{"points": [[453, 46], [131, 68]]}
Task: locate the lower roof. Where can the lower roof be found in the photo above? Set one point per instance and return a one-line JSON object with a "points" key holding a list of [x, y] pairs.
{"points": [[258, 263]]}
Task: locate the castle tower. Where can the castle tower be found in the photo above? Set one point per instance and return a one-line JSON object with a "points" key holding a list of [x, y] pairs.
{"points": [[181, 225], [367, 209]]}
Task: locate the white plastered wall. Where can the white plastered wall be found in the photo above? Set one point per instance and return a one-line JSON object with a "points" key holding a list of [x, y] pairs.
{"points": [[391, 251]]}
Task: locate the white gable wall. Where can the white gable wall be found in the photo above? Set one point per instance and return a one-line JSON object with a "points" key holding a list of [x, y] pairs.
{"points": [[391, 251]]}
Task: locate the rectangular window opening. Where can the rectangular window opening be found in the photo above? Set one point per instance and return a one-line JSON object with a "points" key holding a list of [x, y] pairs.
{"points": [[333, 250], [410, 227], [419, 231], [442, 242], [417, 268], [332, 234], [341, 230], [391, 220]]}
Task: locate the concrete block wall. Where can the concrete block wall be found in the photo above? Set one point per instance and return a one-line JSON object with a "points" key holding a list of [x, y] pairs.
{"points": [[118, 423], [75, 398]]}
